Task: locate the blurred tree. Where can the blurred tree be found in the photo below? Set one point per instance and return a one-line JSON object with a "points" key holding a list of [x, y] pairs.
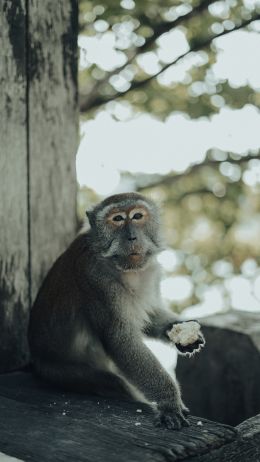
{"points": [[138, 30], [212, 211], [212, 218]]}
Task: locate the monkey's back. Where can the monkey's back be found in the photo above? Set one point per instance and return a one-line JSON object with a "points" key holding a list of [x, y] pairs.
{"points": [[57, 310]]}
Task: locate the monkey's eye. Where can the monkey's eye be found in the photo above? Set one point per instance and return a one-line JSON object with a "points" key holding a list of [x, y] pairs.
{"points": [[118, 218], [137, 216]]}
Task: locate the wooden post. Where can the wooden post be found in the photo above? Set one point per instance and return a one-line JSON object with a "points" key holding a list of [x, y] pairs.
{"points": [[38, 141], [53, 123], [14, 261]]}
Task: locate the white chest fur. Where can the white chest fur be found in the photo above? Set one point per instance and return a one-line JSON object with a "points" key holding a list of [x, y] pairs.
{"points": [[142, 294]]}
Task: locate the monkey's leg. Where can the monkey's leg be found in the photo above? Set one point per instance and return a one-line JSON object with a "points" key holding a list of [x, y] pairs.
{"points": [[82, 378]]}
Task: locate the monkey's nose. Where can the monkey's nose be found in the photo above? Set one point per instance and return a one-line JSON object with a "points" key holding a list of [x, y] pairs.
{"points": [[132, 238]]}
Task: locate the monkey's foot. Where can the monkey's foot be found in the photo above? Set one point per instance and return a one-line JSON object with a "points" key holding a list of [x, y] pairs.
{"points": [[170, 418], [187, 337]]}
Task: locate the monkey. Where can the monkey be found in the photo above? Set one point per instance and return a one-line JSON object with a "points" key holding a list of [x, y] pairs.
{"points": [[99, 301]]}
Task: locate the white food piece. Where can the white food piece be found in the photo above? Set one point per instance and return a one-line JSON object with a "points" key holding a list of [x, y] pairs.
{"points": [[185, 333]]}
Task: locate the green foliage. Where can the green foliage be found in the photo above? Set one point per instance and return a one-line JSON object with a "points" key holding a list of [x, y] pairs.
{"points": [[207, 208], [204, 212], [136, 27]]}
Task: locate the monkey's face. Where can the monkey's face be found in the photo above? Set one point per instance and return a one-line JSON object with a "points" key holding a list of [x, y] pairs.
{"points": [[129, 231]]}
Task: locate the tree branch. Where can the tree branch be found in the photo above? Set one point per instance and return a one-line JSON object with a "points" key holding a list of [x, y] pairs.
{"points": [[164, 27], [177, 199], [174, 177], [84, 106], [159, 30]]}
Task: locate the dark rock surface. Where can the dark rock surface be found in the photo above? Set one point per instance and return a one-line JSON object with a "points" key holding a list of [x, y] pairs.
{"points": [[222, 383]]}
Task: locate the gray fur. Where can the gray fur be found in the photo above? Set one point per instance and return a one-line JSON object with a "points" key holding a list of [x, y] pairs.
{"points": [[99, 300]]}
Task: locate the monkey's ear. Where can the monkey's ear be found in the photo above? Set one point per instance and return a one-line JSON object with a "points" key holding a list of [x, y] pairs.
{"points": [[90, 216]]}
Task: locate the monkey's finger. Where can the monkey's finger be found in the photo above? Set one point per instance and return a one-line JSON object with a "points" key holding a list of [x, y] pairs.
{"points": [[192, 348], [171, 421], [185, 410], [201, 340], [185, 422], [180, 421], [163, 420]]}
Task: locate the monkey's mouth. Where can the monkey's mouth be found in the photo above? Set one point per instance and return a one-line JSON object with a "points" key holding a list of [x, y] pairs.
{"points": [[133, 261], [135, 256]]}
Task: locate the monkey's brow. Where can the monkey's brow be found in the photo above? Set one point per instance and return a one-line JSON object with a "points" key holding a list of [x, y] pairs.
{"points": [[115, 208]]}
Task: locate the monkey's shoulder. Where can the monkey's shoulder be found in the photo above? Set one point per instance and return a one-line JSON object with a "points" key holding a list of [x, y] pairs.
{"points": [[62, 274]]}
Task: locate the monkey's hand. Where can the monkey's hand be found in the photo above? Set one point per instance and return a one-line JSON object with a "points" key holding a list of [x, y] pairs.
{"points": [[187, 337], [171, 415]]}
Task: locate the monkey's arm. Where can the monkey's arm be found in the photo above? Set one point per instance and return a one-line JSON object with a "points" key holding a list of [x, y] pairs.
{"points": [[161, 322], [141, 368]]}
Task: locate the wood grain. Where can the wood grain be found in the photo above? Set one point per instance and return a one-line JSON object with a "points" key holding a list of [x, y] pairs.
{"points": [[14, 288], [51, 425], [38, 142], [53, 122]]}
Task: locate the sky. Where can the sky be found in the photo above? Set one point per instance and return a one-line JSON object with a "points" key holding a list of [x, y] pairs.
{"points": [[126, 145], [141, 143]]}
